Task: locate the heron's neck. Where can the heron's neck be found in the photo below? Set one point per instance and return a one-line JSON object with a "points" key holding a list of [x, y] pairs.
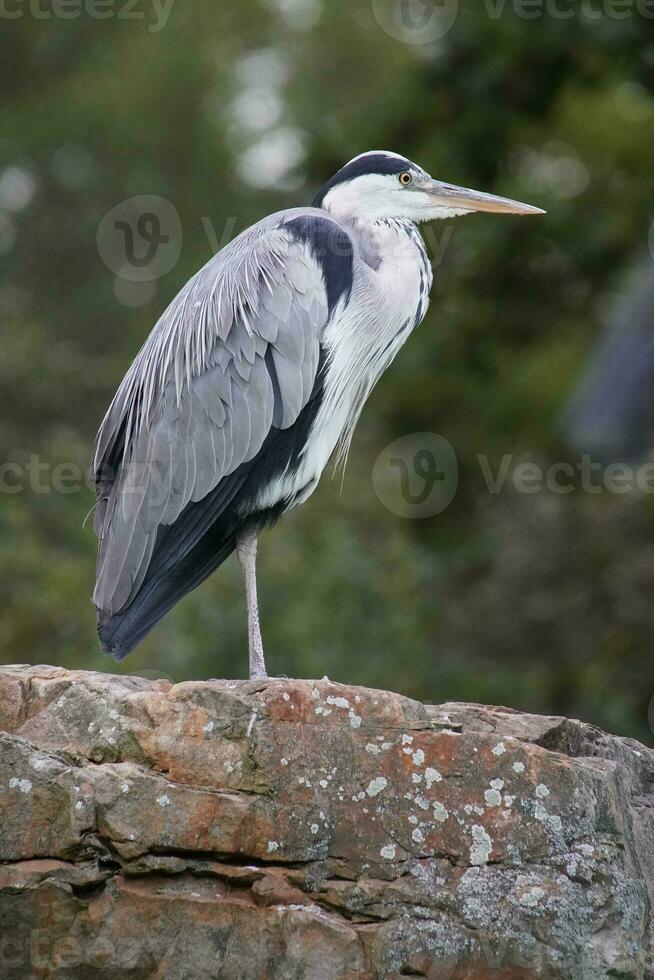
{"points": [[382, 239]]}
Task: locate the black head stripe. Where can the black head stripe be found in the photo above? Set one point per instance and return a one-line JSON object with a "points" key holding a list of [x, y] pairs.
{"points": [[370, 163]]}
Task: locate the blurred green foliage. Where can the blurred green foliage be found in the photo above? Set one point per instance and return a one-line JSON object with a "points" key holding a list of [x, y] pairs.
{"points": [[539, 601]]}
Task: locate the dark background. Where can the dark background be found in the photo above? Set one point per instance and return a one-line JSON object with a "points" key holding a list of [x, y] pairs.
{"points": [[542, 601]]}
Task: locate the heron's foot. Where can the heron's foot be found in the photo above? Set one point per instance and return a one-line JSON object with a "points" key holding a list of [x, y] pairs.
{"points": [[270, 677]]}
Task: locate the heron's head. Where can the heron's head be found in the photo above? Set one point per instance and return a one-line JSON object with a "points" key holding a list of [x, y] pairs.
{"points": [[380, 184]]}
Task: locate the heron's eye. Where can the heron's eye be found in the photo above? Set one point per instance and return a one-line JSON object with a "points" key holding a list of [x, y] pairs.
{"points": [[405, 178]]}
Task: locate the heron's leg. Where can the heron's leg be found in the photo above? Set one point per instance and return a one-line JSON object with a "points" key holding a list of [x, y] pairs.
{"points": [[246, 547]]}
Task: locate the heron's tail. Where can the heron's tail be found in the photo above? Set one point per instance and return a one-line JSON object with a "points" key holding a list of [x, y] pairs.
{"points": [[120, 632]]}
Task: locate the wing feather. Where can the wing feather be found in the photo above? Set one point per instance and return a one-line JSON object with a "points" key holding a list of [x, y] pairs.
{"points": [[235, 355]]}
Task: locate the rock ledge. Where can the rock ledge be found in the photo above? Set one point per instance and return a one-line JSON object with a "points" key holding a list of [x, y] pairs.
{"points": [[307, 829]]}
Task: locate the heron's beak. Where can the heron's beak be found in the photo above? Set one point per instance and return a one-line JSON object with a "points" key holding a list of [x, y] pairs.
{"points": [[450, 196]]}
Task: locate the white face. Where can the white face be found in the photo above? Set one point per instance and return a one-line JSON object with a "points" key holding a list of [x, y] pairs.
{"points": [[372, 197], [410, 194]]}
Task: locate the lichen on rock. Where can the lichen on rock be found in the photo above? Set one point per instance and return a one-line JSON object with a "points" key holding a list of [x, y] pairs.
{"points": [[314, 830]]}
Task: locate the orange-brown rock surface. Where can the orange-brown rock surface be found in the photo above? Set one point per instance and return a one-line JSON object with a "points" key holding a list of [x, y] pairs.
{"points": [[301, 829]]}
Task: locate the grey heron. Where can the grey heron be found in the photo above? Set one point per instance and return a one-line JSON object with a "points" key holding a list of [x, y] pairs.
{"points": [[252, 377]]}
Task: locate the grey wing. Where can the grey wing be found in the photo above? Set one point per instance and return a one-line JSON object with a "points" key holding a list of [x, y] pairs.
{"points": [[235, 354]]}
